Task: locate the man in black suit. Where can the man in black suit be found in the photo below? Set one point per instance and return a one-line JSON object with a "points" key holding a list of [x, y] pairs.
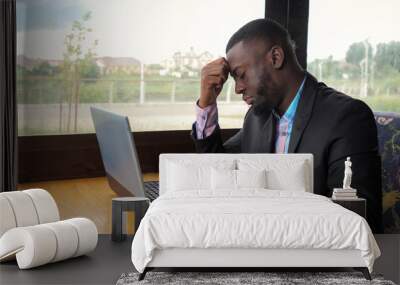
{"points": [[291, 112]]}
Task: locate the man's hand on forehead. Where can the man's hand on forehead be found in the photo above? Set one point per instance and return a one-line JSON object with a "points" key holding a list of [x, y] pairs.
{"points": [[225, 68], [226, 64], [213, 77]]}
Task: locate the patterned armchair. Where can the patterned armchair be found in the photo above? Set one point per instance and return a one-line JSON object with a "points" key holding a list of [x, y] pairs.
{"points": [[389, 147]]}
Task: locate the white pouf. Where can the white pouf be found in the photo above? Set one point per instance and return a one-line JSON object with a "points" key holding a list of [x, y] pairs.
{"points": [[31, 232], [46, 207], [7, 218], [22, 207]]}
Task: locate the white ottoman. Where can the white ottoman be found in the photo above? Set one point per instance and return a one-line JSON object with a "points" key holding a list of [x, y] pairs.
{"points": [[31, 232]]}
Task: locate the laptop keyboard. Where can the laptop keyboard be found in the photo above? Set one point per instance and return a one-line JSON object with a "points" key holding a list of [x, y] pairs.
{"points": [[151, 190]]}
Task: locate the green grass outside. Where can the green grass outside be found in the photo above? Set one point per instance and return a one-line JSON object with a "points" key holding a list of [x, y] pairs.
{"points": [[160, 89], [384, 103]]}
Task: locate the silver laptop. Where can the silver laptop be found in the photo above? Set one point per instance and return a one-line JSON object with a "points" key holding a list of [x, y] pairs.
{"points": [[120, 159]]}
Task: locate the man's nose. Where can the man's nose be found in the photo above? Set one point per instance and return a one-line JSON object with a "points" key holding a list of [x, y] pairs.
{"points": [[239, 88]]}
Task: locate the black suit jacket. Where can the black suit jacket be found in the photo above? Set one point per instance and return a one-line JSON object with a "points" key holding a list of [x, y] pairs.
{"points": [[331, 126]]}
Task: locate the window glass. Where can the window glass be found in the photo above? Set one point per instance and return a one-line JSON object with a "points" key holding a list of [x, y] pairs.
{"points": [[134, 57], [354, 46]]}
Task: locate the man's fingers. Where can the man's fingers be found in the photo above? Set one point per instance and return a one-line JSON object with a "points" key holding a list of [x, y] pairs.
{"points": [[225, 65], [224, 77], [216, 80], [222, 62], [216, 69]]}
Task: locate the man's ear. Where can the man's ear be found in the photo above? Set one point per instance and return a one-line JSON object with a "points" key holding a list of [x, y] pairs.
{"points": [[276, 57]]}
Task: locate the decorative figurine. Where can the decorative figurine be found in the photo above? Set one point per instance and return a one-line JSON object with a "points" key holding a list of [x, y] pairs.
{"points": [[347, 174]]}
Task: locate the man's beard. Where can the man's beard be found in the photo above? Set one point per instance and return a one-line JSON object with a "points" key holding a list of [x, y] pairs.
{"points": [[264, 101]]}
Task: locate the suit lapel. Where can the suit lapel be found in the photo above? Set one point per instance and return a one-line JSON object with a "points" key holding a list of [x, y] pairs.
{"points": [[303, 112], [269, 129], [261, 128]]}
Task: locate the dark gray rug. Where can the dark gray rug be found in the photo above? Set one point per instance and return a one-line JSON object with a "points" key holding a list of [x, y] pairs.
{"points": [[230, 278]]}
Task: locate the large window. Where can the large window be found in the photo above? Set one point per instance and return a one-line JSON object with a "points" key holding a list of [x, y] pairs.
{"points": [[135, 57], [354, 46]]}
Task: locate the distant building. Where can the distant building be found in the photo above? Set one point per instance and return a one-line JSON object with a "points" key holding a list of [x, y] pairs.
{"points": [[110, 65], [30, 63], [54, 62], [188, 63], [181, 64]]}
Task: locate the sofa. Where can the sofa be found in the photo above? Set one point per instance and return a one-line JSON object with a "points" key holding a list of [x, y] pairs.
{"points": [[388, 125]]}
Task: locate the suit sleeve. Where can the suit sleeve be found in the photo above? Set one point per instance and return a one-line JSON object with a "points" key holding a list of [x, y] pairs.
{"points": [[355, 135], [214, 144]]}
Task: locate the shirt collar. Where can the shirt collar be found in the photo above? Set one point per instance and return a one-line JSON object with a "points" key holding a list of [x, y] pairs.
{"points": [[291, 111]]}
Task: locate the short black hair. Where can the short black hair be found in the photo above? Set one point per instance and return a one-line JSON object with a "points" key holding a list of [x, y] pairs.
{"points": [[265, 30]]}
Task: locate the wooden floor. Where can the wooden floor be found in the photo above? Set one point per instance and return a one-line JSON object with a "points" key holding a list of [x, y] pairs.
{"points": [[88, 197]]}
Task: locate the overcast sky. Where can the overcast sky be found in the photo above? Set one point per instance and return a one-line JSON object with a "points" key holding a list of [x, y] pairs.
{"points": [[152, 30], [335, 24]]}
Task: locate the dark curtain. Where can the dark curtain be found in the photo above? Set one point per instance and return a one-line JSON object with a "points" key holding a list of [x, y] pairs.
{"points": [[293, 15], [8, 104]]}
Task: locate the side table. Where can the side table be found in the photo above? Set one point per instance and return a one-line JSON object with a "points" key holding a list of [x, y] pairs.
{"points": [[138, 205], [358, 205]]}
